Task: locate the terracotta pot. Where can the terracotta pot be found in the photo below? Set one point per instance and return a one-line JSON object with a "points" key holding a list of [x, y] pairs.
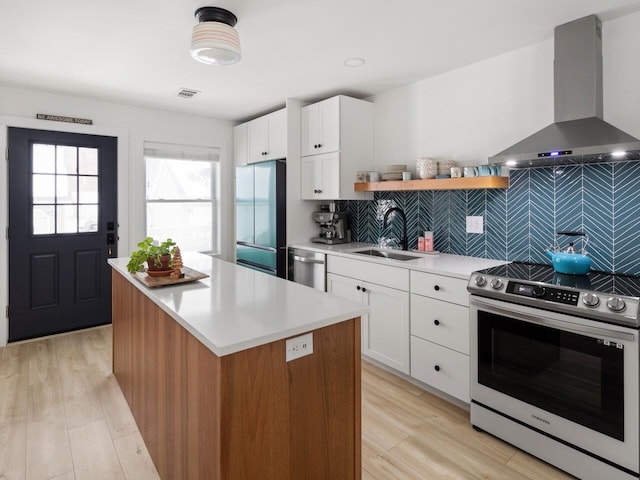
{"points": [[164, 264]]}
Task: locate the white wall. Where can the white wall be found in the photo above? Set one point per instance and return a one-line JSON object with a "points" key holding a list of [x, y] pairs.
{"points": [[621, 54], [133, 126], [477, 111]]}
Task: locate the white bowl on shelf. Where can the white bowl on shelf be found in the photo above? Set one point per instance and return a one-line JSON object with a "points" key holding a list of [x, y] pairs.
{"points": [[396, 168], [391, 176]]}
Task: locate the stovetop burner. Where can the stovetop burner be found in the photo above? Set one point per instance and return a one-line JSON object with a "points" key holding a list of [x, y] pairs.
{"points": [[598, 295], [602, 282]]}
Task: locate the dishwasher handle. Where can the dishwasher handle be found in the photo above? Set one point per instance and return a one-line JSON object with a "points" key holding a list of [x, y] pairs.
{"points": [[298, 258]]}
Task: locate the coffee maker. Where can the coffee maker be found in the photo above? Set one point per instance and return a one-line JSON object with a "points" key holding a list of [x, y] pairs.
{"points": [[333, 225]]}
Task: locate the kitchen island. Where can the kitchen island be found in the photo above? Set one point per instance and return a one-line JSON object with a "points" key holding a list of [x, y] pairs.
{"points": [[203, 368]]}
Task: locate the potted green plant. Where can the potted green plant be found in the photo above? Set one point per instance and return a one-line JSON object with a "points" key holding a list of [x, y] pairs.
{"points": [[157, 255]]}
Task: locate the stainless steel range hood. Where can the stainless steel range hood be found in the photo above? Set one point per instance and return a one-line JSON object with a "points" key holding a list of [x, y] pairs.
{"points": [[579, 134]]}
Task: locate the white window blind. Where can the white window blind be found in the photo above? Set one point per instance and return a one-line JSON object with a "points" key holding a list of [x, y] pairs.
{"points": [[181, 195]]}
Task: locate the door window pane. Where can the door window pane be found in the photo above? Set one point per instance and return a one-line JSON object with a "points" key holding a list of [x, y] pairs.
{"points": [[88, 161], [44, 188], [88, 190], [44, 219], [66, 160], [88, 218], [66, 189], [44, 158], [66, 219]]}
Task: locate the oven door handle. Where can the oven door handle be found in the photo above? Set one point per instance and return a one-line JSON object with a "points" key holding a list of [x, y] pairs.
{"points": [[489, 306]]}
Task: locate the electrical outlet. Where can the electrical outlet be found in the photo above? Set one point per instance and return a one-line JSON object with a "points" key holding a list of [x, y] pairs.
{"points": [[475, 224], [299, 346]]}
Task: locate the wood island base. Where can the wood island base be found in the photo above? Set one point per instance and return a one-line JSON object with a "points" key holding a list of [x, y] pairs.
{"points": [[247, 415]]}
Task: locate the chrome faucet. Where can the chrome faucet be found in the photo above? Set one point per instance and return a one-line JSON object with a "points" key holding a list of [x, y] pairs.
{"points": [[404, 242]]}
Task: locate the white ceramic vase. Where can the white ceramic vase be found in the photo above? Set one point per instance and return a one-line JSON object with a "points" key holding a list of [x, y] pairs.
{"points": [[426, 167]]}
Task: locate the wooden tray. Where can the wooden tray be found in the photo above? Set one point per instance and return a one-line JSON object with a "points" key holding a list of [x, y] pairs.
{"points": [[190, 275]]}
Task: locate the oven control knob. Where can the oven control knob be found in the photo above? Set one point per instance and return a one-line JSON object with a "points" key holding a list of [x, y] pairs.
{"points": [[616, 304], [591, 300], [496, 284], [538, 291], [481, 281]]}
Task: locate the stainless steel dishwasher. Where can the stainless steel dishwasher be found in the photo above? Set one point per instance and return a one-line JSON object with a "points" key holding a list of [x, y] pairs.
{"points": [[308, 268]]}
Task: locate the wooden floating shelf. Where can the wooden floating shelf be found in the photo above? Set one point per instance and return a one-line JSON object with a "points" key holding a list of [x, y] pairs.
{"points": [[464, 183]]}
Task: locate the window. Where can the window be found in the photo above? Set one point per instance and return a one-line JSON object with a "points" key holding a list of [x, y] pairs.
{"points": [[64, 189], [181, 195]]}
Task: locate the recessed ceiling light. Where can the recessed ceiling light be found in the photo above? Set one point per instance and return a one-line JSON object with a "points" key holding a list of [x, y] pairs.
{"points": [[354, 62], [618, 154]]}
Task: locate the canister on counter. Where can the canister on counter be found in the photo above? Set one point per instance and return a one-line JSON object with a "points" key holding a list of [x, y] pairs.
{"points": [[421, 243], [428, 241]]}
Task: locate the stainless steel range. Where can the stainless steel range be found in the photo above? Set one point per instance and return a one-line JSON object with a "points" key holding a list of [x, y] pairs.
{"points": [[555, 366]]}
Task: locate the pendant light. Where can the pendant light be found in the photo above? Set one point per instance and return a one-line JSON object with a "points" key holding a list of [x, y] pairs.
{"points": [[214, 41]]}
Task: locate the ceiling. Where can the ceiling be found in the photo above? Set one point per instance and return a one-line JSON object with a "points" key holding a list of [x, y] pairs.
{"points": [[137, 51]]}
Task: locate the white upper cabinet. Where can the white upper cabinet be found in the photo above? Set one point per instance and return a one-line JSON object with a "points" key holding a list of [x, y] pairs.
{"points": [[240, 146], [321, 127], [342, 126], [321, 176], [267, 137]]}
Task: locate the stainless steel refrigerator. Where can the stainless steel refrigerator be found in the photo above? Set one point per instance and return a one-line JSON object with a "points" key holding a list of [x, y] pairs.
{"points": [[261, 217]]}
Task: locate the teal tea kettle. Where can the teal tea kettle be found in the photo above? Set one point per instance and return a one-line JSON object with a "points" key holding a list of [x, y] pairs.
{"points": [[568, 261]]}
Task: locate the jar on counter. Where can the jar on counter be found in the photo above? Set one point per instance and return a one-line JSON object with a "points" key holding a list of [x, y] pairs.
{"points": [[428, 241]]}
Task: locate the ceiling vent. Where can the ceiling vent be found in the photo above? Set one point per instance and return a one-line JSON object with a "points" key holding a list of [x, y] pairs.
{"points": [[187, 93]]}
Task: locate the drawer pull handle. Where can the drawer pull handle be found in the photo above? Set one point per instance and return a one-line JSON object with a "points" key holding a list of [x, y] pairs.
{"points": [[436, 322], [364, 289], [358, 288], [436, 287], [437, 368]]}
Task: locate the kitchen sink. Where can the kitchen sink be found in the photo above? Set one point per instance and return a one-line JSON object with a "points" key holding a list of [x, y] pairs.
{"points": [[385, 254]]}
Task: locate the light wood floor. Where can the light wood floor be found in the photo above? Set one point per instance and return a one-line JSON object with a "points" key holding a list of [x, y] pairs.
{"points": [[63, 417]]}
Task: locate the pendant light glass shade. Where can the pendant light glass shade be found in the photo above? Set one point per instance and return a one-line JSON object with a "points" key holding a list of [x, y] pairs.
{"points": [[214, 41]]}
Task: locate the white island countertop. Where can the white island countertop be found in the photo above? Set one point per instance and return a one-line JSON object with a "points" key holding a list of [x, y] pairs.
{"points": [[237, 308], [457, 266]]}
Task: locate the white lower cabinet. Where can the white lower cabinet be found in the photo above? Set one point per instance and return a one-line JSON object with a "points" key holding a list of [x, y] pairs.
{"points": [[385, 330], [440, 333], [440, 367], [418, 322], [440, 322]]}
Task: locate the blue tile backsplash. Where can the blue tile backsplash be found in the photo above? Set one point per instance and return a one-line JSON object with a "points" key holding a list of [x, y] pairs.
{"points": [[602, 200]]}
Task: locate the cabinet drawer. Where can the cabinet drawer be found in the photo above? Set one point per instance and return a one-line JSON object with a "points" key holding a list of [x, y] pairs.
{"points": [[392, 277], [440, 322], [449, 289], [440, 368]]}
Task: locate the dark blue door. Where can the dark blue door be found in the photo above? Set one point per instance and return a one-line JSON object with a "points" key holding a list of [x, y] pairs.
{"points": [[62, 229]]}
